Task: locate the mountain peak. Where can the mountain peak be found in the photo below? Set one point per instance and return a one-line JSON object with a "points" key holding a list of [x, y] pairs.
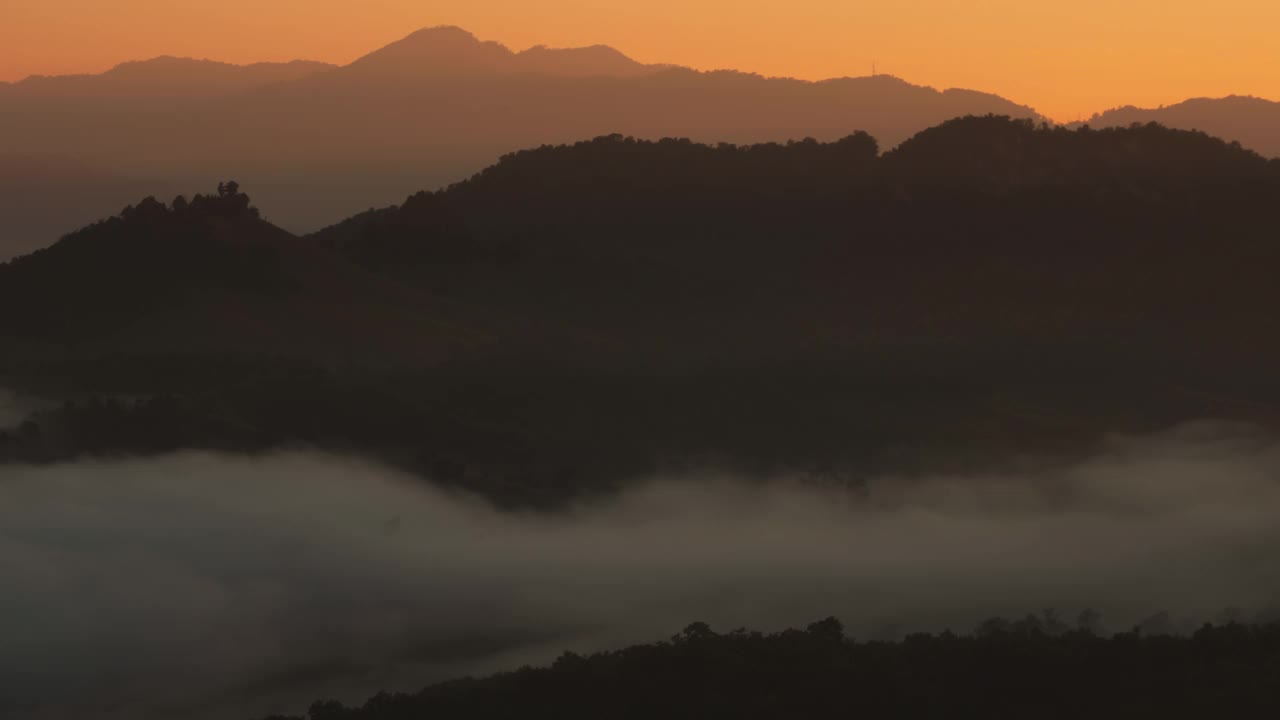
{"points": [[595, 60], [450, 49], [454, 51], [442, 32]]}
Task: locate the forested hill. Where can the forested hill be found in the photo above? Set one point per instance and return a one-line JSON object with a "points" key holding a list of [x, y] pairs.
{"points": [[978, 229], [1025, 669], [209, 276], [991, 287]]}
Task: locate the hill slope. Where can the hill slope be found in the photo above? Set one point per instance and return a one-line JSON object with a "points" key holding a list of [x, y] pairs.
{"points": [[208, 276], [979, 228]]}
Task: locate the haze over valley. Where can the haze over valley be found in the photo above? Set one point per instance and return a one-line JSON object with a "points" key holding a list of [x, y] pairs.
{"points": [[320, 576]]}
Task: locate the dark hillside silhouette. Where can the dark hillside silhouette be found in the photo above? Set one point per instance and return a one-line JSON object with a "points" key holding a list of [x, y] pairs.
{"points": [[204, 275], [998, 155], [734, 245], [991, 288]]}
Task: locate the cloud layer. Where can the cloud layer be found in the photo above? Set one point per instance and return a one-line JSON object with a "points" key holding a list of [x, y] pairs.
{"points": [[218, 586]]}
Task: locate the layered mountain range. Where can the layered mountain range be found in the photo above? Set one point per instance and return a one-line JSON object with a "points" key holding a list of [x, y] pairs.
{"points": [[318, 143], [1251, 121]]}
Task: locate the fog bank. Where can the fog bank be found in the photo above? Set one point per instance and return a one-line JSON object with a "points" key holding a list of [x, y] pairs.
{"points": [[198, 585]]}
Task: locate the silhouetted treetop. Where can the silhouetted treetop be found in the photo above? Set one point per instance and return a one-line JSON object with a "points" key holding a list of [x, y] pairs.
{"points": [[619, 196], [625, 163], [228, 203], [982, 155], [150, 256], [998, 153]]}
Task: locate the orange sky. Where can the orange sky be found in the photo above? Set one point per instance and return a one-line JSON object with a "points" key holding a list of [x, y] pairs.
{"points": [[1067, 58]]}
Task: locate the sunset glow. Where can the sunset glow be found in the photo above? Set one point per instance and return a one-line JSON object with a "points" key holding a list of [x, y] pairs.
{"points": [[1067, 60]]}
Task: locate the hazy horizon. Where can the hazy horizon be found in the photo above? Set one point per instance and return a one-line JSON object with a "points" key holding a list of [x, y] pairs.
{"points": [[1098, 54], [1125, 99]]}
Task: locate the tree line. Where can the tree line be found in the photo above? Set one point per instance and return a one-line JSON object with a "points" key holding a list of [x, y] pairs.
{"points": [[1025, 668]]}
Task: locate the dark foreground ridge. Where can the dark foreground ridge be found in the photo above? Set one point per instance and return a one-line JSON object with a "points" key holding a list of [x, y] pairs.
{"points": [[1027, 669], [576, 316]]}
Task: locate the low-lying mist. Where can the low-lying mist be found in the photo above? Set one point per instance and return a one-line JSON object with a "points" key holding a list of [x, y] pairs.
{"points": [[203, 586]]}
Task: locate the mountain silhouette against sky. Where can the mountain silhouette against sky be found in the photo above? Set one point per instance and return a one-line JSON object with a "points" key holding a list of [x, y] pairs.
{"points": [[161, 79], [452, 51], [1253, 122], [319, 143]]}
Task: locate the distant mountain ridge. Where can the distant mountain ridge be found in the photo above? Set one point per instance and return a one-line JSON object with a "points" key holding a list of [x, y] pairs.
{"points": [[452, 50], [443, 50], [175, 76], [319, 143], [1251, 121]]}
